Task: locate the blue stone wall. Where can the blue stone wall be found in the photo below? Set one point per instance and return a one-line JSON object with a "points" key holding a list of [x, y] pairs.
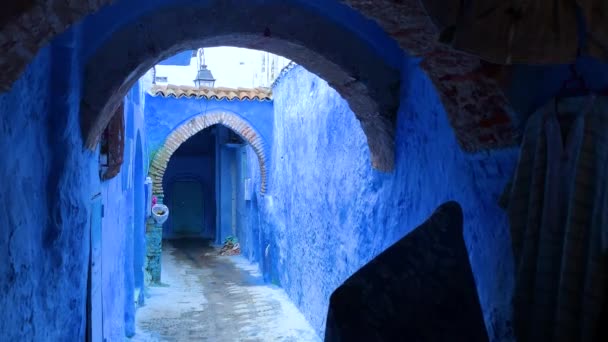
{"points": [[44, 201], [152, 263], [116, 235], [49, 183], [328, 212], [139, 227], [122, 244]]}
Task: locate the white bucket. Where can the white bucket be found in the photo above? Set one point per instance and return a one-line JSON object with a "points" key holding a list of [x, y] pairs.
{"points": [[160, 213]]}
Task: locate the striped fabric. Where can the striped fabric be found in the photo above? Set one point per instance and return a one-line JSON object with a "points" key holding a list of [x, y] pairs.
{"points": [[558, 211]]}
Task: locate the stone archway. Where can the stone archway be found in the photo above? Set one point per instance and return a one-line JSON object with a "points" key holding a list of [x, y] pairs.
{"points": [[196, 125], [471, 91], [368, 80]]}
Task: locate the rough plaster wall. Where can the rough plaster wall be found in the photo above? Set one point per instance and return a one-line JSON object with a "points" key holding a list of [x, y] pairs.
{"points": [[152, 262], [139, 229], [114, 244], [164, 115], [251, 233], [134, 104], [328, 213], [44, 203], [118, 232]]}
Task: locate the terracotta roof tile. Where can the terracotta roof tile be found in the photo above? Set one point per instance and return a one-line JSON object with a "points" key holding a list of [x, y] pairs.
{"points": [[218, 93]]}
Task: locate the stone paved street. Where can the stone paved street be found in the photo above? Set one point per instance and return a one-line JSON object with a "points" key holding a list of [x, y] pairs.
{"points": [[206, 297]]}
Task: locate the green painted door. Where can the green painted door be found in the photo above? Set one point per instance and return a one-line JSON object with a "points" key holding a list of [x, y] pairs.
{"points": [[187, 208]]}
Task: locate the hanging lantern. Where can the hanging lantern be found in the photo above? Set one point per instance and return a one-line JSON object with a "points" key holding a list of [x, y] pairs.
{"points": [[204, 77]]}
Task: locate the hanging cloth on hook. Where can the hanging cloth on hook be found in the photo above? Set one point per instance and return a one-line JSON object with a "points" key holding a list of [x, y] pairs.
{"points": [[557, 209]]}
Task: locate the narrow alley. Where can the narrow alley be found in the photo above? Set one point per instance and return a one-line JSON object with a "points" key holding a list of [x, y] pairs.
{"points": [[378, 171], [208, 297]]}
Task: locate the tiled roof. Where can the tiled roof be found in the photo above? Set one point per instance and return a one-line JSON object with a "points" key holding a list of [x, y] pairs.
{"points": [[219, 93]]}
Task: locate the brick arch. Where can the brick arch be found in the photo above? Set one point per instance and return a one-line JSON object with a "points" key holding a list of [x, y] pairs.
{"points": [[197, 124]]}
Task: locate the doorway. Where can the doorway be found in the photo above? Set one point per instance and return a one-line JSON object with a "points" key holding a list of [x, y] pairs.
{"points": [[187, 205]]}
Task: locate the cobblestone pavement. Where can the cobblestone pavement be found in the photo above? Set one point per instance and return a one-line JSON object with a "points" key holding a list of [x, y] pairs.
{"points": [[206, 297]]}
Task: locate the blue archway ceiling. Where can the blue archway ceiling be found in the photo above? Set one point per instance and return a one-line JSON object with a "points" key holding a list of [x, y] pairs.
{"points": [[361, 73]]}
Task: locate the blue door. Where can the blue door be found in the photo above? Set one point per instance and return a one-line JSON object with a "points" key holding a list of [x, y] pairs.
{"points": [[187, 208]]}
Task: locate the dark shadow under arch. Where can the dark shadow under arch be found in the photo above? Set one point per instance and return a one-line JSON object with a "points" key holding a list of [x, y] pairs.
{"points": [[197, 124]]}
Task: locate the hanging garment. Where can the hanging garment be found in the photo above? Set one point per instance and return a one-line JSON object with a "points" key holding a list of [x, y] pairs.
{"points": [[559, 216]]}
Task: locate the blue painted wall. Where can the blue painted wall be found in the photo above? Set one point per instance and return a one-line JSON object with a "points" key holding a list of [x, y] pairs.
{"points": [[45, 200], [50, 181], [116, 236], [164, 115], [123, 227], [328, 213], [139, 228]]}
